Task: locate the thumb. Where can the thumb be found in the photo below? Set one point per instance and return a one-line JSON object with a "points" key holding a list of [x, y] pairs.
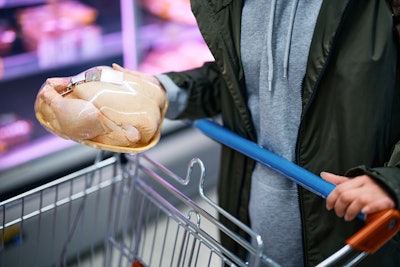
{"points": [[333, 178], [116, 66]]}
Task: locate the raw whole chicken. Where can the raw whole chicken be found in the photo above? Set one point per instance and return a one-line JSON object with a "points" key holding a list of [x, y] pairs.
{"points": [[107, 108]]}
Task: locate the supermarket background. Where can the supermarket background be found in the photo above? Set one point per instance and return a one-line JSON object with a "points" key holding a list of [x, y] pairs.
{"points": [[41, 39]]}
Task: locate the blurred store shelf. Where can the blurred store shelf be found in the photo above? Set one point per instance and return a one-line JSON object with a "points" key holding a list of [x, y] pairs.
{"points": [[16, 3], [29, 63]]}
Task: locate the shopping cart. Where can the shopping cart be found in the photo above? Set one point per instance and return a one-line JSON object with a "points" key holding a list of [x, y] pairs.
{"points": [[122, 211], [127, 210]]}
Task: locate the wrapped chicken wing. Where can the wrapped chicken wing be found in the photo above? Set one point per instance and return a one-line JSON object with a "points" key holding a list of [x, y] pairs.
{"points": [[106, 108]]}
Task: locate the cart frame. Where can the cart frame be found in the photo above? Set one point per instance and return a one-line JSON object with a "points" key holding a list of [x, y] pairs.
{"points": [[129, 210], [137, 196]]}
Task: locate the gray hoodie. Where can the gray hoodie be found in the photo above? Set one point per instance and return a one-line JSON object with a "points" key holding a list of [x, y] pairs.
{"points": [[275, 40]]}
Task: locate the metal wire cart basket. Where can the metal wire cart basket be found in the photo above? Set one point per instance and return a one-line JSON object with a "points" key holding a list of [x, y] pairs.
{"points": [[129, 210], [118, 212]]}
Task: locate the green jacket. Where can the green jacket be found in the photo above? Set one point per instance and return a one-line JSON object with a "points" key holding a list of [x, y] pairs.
{"points": [[351, 111]]}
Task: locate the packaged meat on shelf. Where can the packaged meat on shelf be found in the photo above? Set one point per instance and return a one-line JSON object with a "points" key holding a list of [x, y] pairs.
{"points": [[174, 10], [172, 42], [61, 31]]}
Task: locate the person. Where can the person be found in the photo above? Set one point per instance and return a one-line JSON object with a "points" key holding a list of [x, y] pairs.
{"points": [[316, 82]]}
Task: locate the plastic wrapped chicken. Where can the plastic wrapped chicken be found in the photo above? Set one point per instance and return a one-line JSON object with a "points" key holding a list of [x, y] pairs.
{"points": [[107, 108]]}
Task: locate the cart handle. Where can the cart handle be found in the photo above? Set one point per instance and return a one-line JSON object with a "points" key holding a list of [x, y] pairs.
{"points": [[289, 169], [380, 227]]}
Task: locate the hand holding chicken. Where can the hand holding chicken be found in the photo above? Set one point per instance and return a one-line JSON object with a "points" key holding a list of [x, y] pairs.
{"points": [[107, 108]]}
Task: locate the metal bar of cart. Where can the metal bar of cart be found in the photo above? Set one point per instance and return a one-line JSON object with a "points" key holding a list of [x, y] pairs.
{"points": [[194, 228]]}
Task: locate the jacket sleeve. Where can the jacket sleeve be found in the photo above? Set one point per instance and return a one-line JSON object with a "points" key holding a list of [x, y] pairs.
{"points": [[388, 176], [203, 86]]}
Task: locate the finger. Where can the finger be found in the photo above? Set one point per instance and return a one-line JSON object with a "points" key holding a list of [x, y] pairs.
{"points": [[357, 207], [352, 210], [145, 77], [333, 178], [335, 194], [378, 205], [331, 199], [345, 204], [343, 194], [116, 66], [58, 84], [138, 74]]}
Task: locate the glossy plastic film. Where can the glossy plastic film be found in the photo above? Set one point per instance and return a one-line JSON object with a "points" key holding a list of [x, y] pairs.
{"points": [[106, 108]]}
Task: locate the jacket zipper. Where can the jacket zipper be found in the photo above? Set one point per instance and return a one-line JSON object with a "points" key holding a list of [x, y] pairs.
{"points": [[311, 100]]}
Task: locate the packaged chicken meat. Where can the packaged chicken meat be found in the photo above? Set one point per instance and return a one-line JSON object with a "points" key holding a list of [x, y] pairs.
{"points": [[106, 108]]}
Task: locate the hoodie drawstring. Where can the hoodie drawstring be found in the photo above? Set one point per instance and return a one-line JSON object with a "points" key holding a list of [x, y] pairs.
{"points": [[289, 38], [269, 44], [288, 41]]}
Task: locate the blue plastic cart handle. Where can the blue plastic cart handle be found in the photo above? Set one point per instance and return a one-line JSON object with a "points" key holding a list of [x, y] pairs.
{"points": [[289, 169]]}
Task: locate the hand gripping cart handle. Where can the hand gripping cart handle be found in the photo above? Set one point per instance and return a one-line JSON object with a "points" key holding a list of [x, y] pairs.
{"points": [[379, 228]]}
